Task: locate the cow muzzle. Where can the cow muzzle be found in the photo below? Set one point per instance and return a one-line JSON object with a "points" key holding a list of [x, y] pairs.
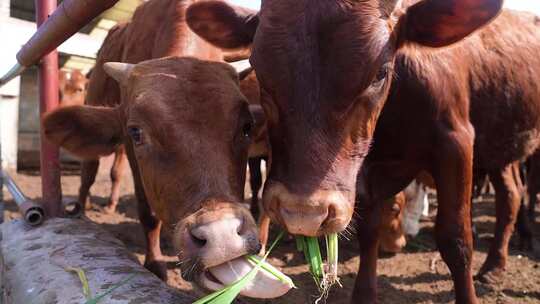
{"points": [[212, 246], [217, 234], [320, 213]]}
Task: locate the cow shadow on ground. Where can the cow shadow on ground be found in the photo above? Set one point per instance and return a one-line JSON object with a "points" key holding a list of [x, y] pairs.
{"points": [[521, 295], [486, 229], [127, 205], [387, 290], [130, 233], [69, 168], [9, 205], [483, 210]]}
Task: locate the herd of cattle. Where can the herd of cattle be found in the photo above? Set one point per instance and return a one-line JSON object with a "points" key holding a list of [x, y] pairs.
{"points": [[347, 101]]}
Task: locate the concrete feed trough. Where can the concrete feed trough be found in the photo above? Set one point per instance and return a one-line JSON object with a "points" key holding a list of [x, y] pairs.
{"points": [[33, 264]]}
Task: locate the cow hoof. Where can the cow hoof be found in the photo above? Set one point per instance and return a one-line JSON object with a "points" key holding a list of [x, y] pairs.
{"points": [[158, 268], [491, 277]]}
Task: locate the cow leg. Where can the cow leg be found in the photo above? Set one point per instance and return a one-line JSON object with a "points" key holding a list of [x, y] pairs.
{"points": [[374, 186], [453, 177], [473, 226], [89, 170], [264, 230], [255, 181], [524, 228], [365, 288], [533, 183], [532, 190], [117, 172], [150, 223], [507, 186]]}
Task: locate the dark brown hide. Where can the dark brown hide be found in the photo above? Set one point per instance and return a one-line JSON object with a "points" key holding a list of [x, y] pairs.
{"points": [[325, 69]]}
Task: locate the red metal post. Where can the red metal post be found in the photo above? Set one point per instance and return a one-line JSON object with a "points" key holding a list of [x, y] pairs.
{"points": [[48, 100]]}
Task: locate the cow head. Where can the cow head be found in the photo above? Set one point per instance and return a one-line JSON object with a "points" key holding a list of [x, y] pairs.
{"points": [[325, 69], [72, 86], [188, 128], [392, 238]]}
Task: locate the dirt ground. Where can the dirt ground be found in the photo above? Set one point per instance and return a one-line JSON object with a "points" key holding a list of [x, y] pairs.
{"points": [[417, 275]]}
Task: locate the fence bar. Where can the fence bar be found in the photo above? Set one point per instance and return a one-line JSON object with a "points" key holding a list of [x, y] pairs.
{"points": [[48, 101], [31, 211], [2, 202]]}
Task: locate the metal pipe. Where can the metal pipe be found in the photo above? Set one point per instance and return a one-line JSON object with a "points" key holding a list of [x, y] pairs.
{"points": [[2, 203], [48, 101], [31, 211], [15, 71], [64, 22], [70, 17]]}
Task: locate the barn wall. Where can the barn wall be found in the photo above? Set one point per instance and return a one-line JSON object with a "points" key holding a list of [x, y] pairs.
{"points": [[28, 149], [9, 107]]}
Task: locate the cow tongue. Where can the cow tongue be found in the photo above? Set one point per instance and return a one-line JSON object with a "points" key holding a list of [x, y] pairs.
{"points": [[263, 286]]}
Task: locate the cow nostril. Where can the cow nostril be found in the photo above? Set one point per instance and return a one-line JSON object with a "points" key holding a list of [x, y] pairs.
{"points": [[330, 215], [257, 248], [199, 242], [242, 228]]}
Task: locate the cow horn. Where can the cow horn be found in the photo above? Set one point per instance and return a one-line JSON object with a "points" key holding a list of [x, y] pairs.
{"points": [[119, 71]]}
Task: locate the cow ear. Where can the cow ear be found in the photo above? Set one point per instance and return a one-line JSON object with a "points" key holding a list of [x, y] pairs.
{"points": [[88, 132], [437, 23], [119, 71], [221, 24]]}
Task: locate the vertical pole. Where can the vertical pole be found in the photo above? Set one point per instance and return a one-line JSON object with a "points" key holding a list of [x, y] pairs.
{"points": [[48, 100], [1, 181]]}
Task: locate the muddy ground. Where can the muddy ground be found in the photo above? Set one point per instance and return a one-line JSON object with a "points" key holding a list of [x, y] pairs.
{"points": [[415, 276]]}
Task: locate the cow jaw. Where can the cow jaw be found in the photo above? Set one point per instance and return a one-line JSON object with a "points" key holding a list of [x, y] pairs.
{"points": [[263, 286]]}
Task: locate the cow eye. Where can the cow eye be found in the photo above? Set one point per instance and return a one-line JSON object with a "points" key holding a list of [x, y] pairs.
{"points": [[136, 135], [381, 74], [247, 128]]}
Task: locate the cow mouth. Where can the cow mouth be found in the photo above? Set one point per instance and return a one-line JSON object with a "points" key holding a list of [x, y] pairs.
{"points": [[263, 286]]}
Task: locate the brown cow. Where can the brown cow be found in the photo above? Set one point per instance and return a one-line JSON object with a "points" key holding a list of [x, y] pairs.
{"points": [[460, 101], [400, 217], [392, 236], [175, 114], [72, 87], [325, 70], [157, 30], [258, 151], [103, 91]]}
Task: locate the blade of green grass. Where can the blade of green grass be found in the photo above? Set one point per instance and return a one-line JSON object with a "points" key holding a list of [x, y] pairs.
{"points": [[324, 277], [110, 290], [254, 259], [312, 253], [84, 281], [332, 260]]}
